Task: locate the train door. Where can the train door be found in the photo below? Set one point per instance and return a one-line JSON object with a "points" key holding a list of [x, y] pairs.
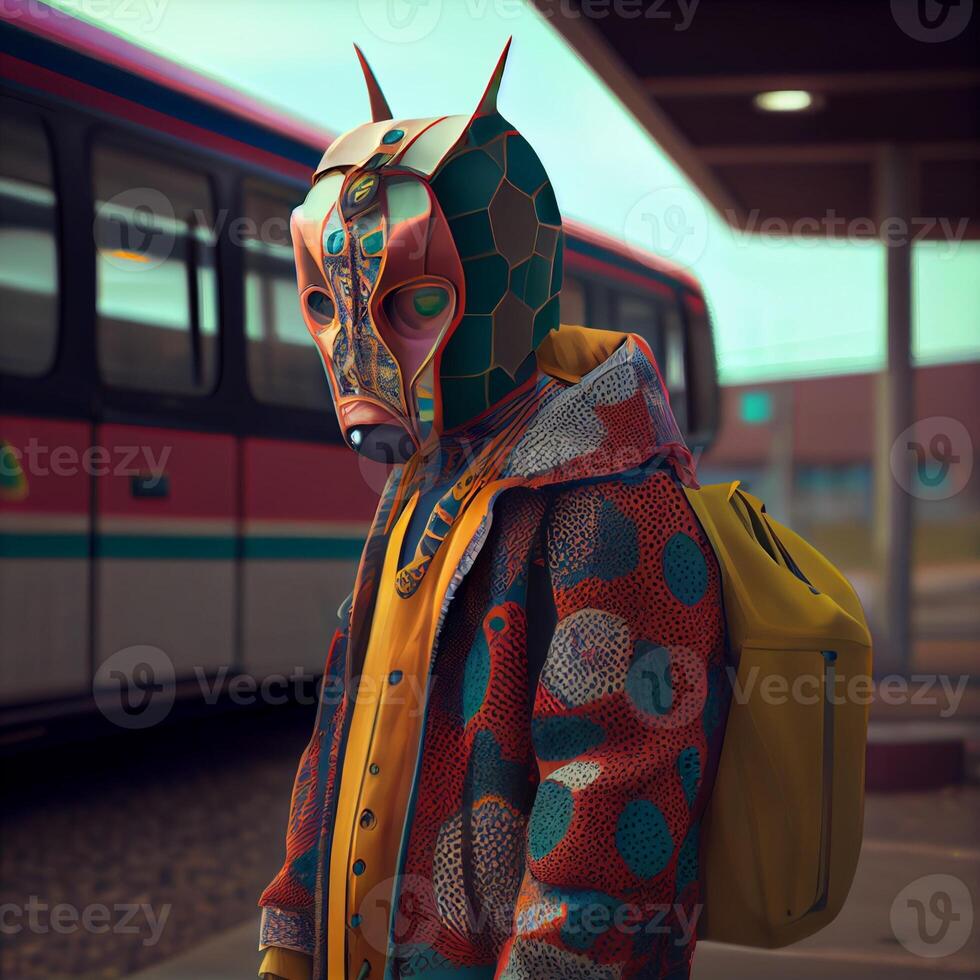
{"points": [[166, 503], [44, 487]]}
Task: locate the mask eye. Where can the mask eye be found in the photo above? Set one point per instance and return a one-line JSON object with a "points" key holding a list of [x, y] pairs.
{"points": [[423, 309], [430, 301], [320, 307]]}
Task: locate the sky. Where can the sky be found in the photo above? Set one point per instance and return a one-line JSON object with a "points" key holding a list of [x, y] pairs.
{"points": [[781, 308]]}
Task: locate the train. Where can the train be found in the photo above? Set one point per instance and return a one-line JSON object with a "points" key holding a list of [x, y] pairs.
{"points": [[172, 477]]}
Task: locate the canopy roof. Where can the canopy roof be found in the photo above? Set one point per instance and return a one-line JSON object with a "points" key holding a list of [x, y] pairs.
{"points": [[879, 81]]}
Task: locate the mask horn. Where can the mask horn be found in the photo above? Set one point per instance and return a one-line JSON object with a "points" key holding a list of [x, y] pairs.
{"points": [[488, 104], [379, 104]]}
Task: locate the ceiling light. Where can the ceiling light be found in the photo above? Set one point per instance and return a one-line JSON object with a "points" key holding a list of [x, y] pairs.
{"points": [[785, 100]]}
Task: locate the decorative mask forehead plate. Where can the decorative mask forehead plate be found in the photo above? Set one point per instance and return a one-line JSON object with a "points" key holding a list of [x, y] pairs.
{"points": [[419, 145]]}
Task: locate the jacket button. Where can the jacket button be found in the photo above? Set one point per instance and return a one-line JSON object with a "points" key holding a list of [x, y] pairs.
{"points": [[368, 819]]}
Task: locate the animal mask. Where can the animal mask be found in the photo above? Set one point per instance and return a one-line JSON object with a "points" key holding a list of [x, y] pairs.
{"points": [[429, 262]]}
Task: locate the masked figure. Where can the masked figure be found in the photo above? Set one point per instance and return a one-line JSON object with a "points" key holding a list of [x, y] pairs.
{"points": [[523, 701]]}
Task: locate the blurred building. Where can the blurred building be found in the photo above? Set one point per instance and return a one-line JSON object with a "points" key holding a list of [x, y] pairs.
{"points": [[806, 447]]}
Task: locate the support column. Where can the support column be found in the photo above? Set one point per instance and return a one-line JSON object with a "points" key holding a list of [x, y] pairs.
{"points": [[894, 410]]}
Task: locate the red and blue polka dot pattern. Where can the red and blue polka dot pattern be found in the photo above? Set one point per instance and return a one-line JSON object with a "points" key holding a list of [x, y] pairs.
{"points": [[622, 738]]}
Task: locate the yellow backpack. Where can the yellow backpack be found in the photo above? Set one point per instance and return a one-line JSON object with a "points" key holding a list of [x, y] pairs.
{"points": [[782, 831]]}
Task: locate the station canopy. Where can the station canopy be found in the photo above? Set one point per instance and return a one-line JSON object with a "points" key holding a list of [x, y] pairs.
{"points": [[785, 109]]}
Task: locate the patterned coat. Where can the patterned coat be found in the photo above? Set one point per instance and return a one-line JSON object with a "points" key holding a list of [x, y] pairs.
{"points": [[574, 713]]}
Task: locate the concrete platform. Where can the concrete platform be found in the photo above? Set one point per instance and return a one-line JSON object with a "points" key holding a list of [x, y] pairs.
{"points": [[908, 838], [918, 755]]}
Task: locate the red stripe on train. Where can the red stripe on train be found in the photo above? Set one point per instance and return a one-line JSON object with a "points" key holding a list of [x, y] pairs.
{"points": [[585, 263], [303, 481], [41, 79], [197, 470]]}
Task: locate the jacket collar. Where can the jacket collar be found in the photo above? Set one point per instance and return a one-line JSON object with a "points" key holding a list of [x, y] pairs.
{"points": [[612, 415]]}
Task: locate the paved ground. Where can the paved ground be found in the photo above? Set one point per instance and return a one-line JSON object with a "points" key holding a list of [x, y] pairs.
{"points": [[907, 838], [185, 825]]}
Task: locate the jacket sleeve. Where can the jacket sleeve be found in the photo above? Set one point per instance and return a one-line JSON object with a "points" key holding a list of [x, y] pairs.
{"points": [[288, 901], [625, 728]]}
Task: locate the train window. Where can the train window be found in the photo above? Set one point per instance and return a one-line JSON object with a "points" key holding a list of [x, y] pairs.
{"points": [[573, 307], [672, 364], [28, 249], [157, 296], [642, 315], [284, 366]]}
